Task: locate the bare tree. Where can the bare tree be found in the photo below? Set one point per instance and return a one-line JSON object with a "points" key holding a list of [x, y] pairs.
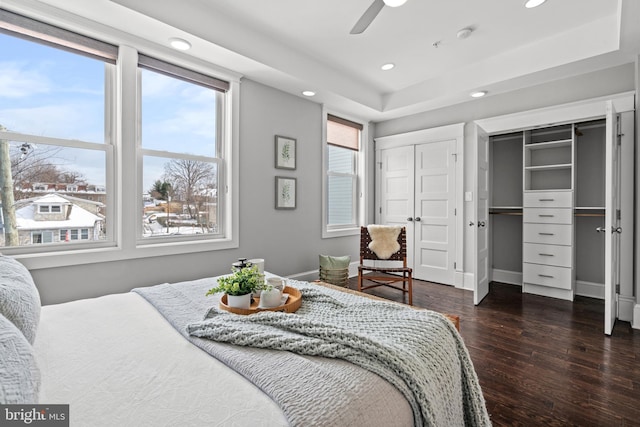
{"points": [[188, 176], [30, 165], [6, 195]]}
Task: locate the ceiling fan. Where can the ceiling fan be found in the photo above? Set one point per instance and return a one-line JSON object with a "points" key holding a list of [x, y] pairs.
{"points": [[370, 14]]}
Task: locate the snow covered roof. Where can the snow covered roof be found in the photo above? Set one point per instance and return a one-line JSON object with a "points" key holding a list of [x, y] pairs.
{"points": [[78, 218]]}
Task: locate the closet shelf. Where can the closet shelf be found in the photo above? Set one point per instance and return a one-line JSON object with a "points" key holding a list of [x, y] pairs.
{"points": [[548, 144], [548, 167]]}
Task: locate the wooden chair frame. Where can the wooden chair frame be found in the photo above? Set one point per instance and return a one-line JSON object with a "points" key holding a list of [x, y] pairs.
{"points": [[373, 274]]}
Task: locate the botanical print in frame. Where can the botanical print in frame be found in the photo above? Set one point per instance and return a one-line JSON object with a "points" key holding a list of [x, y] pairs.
{"points": [[285, 152], [285, 192]]}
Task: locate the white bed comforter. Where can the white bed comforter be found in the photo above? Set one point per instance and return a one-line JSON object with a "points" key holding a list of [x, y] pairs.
{"points": [[118, 362]]}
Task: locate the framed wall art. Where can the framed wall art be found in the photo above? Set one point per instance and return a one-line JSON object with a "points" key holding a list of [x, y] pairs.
{"points": [[285, 192], [285, 152]]}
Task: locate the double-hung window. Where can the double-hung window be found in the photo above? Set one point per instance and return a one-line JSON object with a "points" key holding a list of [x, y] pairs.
{"points": [[342, 159], [55, 129], [182, 134]]}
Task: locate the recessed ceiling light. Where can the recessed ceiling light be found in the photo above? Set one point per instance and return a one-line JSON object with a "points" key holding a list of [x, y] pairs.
{"points": [[533, 3], [308, 93], [387, 67], [179, 44], [479, 94], [394, 3]]}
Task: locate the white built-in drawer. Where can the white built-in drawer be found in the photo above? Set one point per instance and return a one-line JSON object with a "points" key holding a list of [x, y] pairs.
{"points": [[555, 234], [550, 199], [561, 256], [548, 215], [547, 275]]}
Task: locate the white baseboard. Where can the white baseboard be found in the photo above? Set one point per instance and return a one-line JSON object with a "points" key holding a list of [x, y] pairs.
{"points": [[458, 279], [626, 306], [307, 276], [590, 289], [505, 276], [635, 324], [468, 281]]}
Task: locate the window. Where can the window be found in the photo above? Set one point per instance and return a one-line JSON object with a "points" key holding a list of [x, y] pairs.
{"points": [[38, 237], [59, 105], [181, 134], [52, 122], [343, 205]]}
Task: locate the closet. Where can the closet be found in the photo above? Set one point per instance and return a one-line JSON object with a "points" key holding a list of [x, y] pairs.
{"points": [[547, 209]]}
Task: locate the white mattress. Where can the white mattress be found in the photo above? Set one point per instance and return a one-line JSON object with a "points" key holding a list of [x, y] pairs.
{"points": [[117, 362]]}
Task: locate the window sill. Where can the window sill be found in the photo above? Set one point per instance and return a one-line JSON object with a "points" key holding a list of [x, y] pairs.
{"points": [[342, 232], [43, 260]]}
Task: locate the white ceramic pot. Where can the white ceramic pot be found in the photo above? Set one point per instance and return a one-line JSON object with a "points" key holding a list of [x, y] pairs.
{"points": [[239, 301]]}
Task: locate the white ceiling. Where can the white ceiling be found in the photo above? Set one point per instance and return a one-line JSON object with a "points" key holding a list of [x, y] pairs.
{"points": [[305, 44]]}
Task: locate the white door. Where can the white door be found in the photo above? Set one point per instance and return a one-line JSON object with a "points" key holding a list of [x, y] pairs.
{"points": [[611, 222], [434, 212], [480, 222], [396, 185]]}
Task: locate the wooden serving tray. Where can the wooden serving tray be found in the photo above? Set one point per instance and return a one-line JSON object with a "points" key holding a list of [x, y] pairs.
{"points": [[292, 305]]}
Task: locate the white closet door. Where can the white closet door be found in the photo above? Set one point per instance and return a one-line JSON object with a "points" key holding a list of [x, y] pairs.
{"points": [[434, 220], [480, 221], [611, 222], [397, 190]]}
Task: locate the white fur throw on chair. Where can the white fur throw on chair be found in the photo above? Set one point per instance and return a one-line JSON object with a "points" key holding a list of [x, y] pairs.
{"points": [[384, 239]]}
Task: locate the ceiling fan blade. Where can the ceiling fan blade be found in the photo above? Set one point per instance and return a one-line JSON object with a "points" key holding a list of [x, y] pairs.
{"points": [[367, 18]]}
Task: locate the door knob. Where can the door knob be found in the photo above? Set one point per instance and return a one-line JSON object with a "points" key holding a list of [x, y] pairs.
{"points": [[409, 219], [616, 230], [481, 224], [417, 218], [600, 229], [471, 224]]}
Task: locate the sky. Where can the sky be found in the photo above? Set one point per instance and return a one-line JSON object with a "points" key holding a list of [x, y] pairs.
{"points": [[50, 92]]}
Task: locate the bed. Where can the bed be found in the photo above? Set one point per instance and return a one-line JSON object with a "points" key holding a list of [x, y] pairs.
{"points": [[154, 356]]}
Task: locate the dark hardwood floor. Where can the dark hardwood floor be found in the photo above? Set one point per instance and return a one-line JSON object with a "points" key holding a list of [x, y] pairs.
{"points": [[542, 361]]}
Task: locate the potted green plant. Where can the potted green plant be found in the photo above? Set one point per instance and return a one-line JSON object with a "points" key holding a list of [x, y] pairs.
{"points": [[239, 286]]}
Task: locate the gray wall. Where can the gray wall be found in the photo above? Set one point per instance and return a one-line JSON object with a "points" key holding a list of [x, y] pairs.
{"points": [[289, 241]]}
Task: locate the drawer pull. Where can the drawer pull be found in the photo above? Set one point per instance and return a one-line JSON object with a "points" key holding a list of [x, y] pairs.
{"points": [[546, 200], [546, 254], [545, 216], [547, 234], [546, 276]]}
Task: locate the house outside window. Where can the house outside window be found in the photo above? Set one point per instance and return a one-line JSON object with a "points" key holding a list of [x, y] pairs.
{"points": [[343, 203]]}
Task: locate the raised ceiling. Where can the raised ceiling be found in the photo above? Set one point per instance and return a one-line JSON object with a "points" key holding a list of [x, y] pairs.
{"points": [[296, 45]]}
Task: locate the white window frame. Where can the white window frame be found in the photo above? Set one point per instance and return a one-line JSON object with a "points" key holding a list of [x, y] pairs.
{"points": [[124, 198], [362, 179], [218, 161]]}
